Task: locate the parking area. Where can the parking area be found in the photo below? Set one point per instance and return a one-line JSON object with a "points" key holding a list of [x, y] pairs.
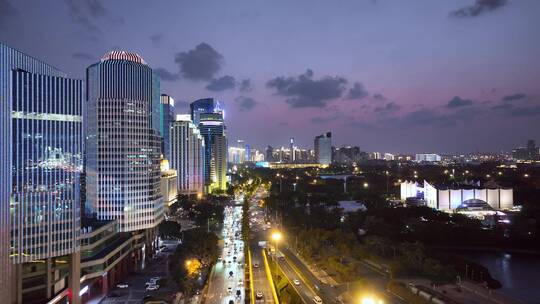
{"points": [[136, 290]]}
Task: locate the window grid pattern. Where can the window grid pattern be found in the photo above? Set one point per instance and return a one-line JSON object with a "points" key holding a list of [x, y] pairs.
{"points": [[123, 144]]}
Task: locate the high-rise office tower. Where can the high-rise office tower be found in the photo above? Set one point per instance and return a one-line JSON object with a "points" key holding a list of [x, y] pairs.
{"points": [[208, 115], [247, 156], [205, 105], [166, 113], [41, 162], [269, 153], [187, 155], [323, 148], [213, 130], [122, 142], [291, 147]]}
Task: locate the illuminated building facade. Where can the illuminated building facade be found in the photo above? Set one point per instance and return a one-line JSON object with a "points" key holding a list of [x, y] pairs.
{"points": [[446, 198], [166, 113], [123, 144], [205, 105], [42, 118], [187, 155], [323, 148], [169, 184], [213, 130], [428, 158]]}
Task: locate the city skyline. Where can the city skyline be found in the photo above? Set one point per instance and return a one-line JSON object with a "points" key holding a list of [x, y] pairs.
{"points": [[385, 76]]}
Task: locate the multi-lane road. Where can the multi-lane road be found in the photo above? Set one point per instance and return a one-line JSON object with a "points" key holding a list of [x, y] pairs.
{"points": [[226, 283], [259, 233], [227, 277]]}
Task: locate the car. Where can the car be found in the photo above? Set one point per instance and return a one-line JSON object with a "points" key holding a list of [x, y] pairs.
{"points": [[296, 282], [259, 295], [229, 289], [122, 285], [317, 300], [219, 258], [231, 301], [152, 287], [238, 293], [240, 282], [255, 265]]}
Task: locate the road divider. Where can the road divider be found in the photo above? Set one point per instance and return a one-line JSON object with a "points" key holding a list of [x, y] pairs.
{"points": [[251, 288], [269, 276]]}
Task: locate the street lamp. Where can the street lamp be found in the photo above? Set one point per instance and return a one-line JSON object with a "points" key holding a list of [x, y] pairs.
{"points": [[276, 237], [370, 300], [280, 176]]}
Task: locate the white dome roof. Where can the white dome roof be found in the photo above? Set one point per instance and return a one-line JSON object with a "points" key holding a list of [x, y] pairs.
{"points": [[123, 55]]}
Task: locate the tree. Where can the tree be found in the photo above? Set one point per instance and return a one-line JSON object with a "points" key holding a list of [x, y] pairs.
{"points": [[169, 229]]}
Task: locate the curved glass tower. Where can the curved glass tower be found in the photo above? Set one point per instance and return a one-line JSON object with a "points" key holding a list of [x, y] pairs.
{"points": [[123, 142]]}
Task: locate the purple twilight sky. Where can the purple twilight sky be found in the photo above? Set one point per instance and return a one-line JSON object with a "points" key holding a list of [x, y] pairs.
{"points": [[386, 75]]}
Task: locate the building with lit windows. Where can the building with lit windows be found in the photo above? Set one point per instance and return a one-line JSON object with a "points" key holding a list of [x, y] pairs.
{"points": [[459, 196], [428, 158], [166, 113], [323, 148], [41, 158], [169, 184], [123, 144], [213, 130], [205, 105], [187, 155]]}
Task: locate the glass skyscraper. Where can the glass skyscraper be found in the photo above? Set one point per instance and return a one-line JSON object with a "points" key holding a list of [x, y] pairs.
{"points": [[205, 105], [41, 162], [166, 118], [213, 130], [208, 115], [123, 144]]}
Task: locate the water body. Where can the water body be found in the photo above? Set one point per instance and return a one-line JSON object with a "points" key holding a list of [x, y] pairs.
{"points": [[517, 272]]}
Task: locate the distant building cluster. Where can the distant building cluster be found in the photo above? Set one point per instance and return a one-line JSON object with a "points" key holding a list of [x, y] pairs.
{"points": [[531, 152]]}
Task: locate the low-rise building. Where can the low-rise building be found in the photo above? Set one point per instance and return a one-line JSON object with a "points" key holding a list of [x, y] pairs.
{"points": [[458, 196]]}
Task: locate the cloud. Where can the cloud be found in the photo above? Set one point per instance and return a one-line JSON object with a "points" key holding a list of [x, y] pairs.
{"points": [[458, 102], [304, 91], [200, 63], [87, 13], [7, 11], [357, 91], [478, 8], [83, 56], [508, 109], [156, 38], [166, 75], [379, 96], [389, 108], [514, 97], [245, 103], [246, 85], [220, 84]]}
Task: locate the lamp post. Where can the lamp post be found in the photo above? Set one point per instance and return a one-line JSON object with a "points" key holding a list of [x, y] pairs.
{"points": [[387, 174], [276, 237]]}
